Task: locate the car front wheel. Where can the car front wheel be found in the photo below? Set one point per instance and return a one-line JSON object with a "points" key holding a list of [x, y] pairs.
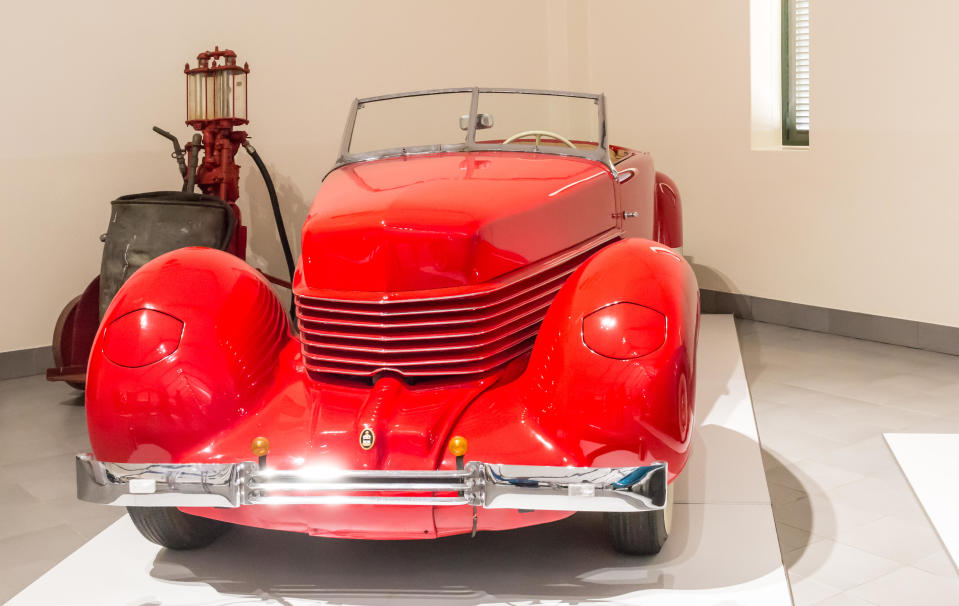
{"points": [[173, 529], [641, 532]]}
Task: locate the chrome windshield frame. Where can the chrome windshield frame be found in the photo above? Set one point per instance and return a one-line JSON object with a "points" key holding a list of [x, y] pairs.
{"points": [[600, 154]]}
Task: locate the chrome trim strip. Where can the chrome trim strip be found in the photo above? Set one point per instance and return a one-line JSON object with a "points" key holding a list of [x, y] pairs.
{"points": [[187, 485], [470, 89], [348, 129], [487, 485], [357, 500], [357, 486], [309, 474], [471, 129], [575, 488]]}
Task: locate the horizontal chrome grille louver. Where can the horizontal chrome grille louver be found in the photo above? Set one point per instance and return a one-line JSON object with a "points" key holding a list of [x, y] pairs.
{"points": [[456, 335]]}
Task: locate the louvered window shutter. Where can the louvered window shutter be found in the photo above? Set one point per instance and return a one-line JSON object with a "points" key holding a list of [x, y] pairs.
{"points": [[795, 72]]}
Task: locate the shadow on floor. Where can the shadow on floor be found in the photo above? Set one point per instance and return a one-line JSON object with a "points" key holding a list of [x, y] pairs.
{"points": [[570, 560], [73, 400], [566, 560]]}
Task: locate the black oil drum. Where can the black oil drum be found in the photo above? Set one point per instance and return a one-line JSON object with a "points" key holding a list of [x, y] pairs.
{"points": [[144, 226]]}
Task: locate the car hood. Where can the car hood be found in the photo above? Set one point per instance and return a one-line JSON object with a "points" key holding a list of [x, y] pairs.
{"points": [[446, 220]]}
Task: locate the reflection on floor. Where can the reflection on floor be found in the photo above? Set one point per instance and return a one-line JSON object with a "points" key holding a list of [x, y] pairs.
{"points": [[850, 529], [723, 547]]}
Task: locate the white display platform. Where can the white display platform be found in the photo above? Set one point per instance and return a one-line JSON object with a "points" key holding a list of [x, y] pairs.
{"points": [[723, 549], [929, 463]]}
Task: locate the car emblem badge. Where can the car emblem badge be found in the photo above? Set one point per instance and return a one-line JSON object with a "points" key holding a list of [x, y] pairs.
{"points": [[367, 438]]}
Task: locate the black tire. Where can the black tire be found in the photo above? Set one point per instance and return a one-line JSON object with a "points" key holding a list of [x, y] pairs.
{"points": [[641, 532], [173, 529]]}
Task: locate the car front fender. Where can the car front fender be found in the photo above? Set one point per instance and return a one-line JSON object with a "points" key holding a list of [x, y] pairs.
{"points": [[573, 406], [232, 328]]}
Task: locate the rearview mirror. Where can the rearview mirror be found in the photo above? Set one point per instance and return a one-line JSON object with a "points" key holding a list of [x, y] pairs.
{"points": [[483, 121]]}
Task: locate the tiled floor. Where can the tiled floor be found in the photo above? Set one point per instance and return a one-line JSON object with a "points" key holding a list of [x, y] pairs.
{"points": [[850, 529], [42, 425]]}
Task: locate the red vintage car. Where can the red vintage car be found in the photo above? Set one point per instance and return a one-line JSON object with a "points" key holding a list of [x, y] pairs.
{"points": [[477, 344]]}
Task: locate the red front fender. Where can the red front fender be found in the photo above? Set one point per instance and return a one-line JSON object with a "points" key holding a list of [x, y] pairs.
{"points": [[157, 407], [573, 406]]}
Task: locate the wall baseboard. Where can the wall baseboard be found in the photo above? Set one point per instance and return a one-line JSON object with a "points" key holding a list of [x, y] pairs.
{"points": [[25, 362], [909, 333]]}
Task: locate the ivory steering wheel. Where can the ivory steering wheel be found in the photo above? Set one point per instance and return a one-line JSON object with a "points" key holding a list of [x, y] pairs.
{"points": [[539, 134]]}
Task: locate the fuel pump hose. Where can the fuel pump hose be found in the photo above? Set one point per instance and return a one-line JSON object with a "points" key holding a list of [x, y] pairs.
{"points": [[277, 215]]}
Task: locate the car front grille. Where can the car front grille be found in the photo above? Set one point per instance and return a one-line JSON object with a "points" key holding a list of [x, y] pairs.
{"points": [[444, 336]]}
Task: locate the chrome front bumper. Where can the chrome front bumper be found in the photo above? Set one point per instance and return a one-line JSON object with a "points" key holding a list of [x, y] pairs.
{"points": [[488, 485]]}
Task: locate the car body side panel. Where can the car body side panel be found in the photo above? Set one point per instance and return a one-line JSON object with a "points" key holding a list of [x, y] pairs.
{"points": [[669, 212], [635, 187]]}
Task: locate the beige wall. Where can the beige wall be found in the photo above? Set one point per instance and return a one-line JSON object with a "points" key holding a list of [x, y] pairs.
{"points": [[84, 82], [865, 220]]}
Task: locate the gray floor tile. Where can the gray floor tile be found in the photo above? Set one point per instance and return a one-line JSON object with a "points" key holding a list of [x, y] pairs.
{"points": [[28, 517], [850, 528], [909, 586], [16, 577], [36, 547]]}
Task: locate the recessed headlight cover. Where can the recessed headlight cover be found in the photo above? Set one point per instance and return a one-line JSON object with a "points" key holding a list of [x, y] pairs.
{"points": [[141, 337], [624, 331]]}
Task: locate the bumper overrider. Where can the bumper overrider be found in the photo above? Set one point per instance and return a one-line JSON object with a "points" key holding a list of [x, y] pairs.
{"points": [[487, 485]]}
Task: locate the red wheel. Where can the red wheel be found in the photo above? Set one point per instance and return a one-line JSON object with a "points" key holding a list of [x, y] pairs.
{"points": [[73, 336], [67, 318]]}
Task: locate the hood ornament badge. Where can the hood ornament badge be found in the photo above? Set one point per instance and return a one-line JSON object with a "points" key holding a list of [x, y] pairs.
{"points": [[367, 438]]}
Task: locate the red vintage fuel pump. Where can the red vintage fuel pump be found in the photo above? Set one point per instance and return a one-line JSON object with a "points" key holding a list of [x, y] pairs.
{"points": [[157, 222], [216, 103]]}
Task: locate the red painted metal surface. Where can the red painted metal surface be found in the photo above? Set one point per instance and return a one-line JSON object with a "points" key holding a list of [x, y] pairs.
{"points": [[73, 336], [403, 260], [446, 220], [454, 334], [669, 212]]}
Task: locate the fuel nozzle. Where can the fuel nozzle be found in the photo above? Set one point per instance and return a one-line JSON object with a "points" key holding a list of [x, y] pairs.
{"points": [[177, 150]]}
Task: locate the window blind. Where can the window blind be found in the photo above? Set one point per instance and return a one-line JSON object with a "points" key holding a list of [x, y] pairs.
{"points": [[796, 72]]}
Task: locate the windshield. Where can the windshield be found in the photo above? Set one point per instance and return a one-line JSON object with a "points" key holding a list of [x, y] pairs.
{"points": [[475, 119]]}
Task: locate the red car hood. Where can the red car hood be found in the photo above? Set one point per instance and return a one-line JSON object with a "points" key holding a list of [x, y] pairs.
{"points": [[446, 220]]}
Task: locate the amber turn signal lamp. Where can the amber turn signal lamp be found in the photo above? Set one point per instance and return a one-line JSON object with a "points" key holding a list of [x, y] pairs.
{"points": [[458, 446], [260, 446]]}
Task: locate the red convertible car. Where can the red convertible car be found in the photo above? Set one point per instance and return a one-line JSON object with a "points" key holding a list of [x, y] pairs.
{"points": [[477, 344]]}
